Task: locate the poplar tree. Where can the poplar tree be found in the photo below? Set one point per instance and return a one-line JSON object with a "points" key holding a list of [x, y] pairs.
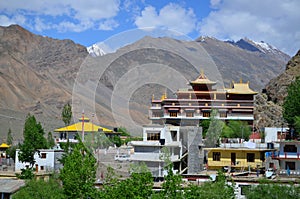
{"points": [[291, 105], [67, 114]]}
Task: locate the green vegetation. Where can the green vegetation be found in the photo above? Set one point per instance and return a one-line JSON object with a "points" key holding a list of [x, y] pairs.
{"points": [[139, 185], [236, 129], [50, 140], [33, 141], [214, 131], [37, 189], [9, 139], [211, 190], [79, 172], [270, 191], [66, 114], [291, 105]]}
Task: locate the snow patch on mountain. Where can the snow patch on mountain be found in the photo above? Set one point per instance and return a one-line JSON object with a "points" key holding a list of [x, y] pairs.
{"points": [[95, 50]]}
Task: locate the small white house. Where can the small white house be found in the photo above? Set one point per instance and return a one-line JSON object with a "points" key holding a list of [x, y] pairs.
{"points": [[273, 134], [46, 161]]}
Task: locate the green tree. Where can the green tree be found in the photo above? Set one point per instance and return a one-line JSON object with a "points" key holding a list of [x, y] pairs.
{"points": [[171, 187], [237, 129], [214, 131], [270, 191], [67, 114], [37, 189], [211, 190], [33, 140], [291, 104], [9, 139], [205, 126], [116, 140], [50, 140], [138, 185], [297, 123], [79, 173]]}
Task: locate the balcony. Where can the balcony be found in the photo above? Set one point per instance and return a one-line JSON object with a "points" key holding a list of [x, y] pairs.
{"points": [[287, 155], [151, 157]]}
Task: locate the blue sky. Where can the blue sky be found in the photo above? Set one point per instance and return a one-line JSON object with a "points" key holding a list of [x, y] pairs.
{"points": [[90, 21]]}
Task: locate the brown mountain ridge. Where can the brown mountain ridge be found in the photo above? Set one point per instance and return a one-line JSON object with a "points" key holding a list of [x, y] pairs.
{"points": [[38, 75]]}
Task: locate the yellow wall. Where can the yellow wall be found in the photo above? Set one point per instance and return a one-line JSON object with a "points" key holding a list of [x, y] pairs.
{"points": [[241, 159]]}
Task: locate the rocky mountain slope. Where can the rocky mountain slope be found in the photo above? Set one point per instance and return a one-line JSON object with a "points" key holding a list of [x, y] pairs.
{"points": [[39, 75], [36, 76], [269, 103]]}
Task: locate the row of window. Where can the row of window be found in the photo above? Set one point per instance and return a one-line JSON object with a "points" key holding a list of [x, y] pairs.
{"points": [[217, 156], [153, 136], [191, 114]]}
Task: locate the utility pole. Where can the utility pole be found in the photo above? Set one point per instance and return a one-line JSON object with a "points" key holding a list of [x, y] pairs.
{"points": [[82, 134]]}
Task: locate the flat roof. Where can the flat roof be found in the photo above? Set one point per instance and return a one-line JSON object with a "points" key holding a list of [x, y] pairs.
{"points": [[10, 185], [238, 149]]}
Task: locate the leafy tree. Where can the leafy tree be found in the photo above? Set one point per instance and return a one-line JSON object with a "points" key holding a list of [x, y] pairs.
{"points": [[237, 129], [171, 187], [50, 140], [138, 185], [116, 140], [67, 114], [214, 130], [9, 139], [297, 123], [291, 104], [123, 131], [205, 126], [268, 191], [33, 140], [79, 173], [227, 132], [36, 189], [211, 190]]}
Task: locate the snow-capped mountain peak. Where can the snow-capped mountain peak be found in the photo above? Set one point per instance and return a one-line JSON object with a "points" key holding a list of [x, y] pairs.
{"points": [[95, 50]]}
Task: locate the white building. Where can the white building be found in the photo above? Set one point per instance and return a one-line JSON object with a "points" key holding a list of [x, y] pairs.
{"points": [[289, 156], [46, 161], [273, 134], [178, 140]]}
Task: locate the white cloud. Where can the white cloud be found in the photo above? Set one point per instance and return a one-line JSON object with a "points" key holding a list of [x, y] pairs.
{"points": [[78, 15], [17, 19], [274, 21], [109, 24], [172, 16]]}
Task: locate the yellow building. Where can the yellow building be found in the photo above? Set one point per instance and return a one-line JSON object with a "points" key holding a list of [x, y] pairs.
{"points": [[239, 158], [84, 126]]}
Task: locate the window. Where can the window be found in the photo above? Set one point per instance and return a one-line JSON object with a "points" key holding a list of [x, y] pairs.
{"points": [[153, 136], [173, 114], [223, 114], [206, 114], [42, 168], [250, 157], [43, 155], [174, 135], [156, 114], [290, 148], [290, 165], [189, 114], [216, 156]]}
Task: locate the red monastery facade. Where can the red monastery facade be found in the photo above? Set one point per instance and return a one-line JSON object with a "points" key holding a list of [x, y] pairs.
{"points": [[196, 103]]}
